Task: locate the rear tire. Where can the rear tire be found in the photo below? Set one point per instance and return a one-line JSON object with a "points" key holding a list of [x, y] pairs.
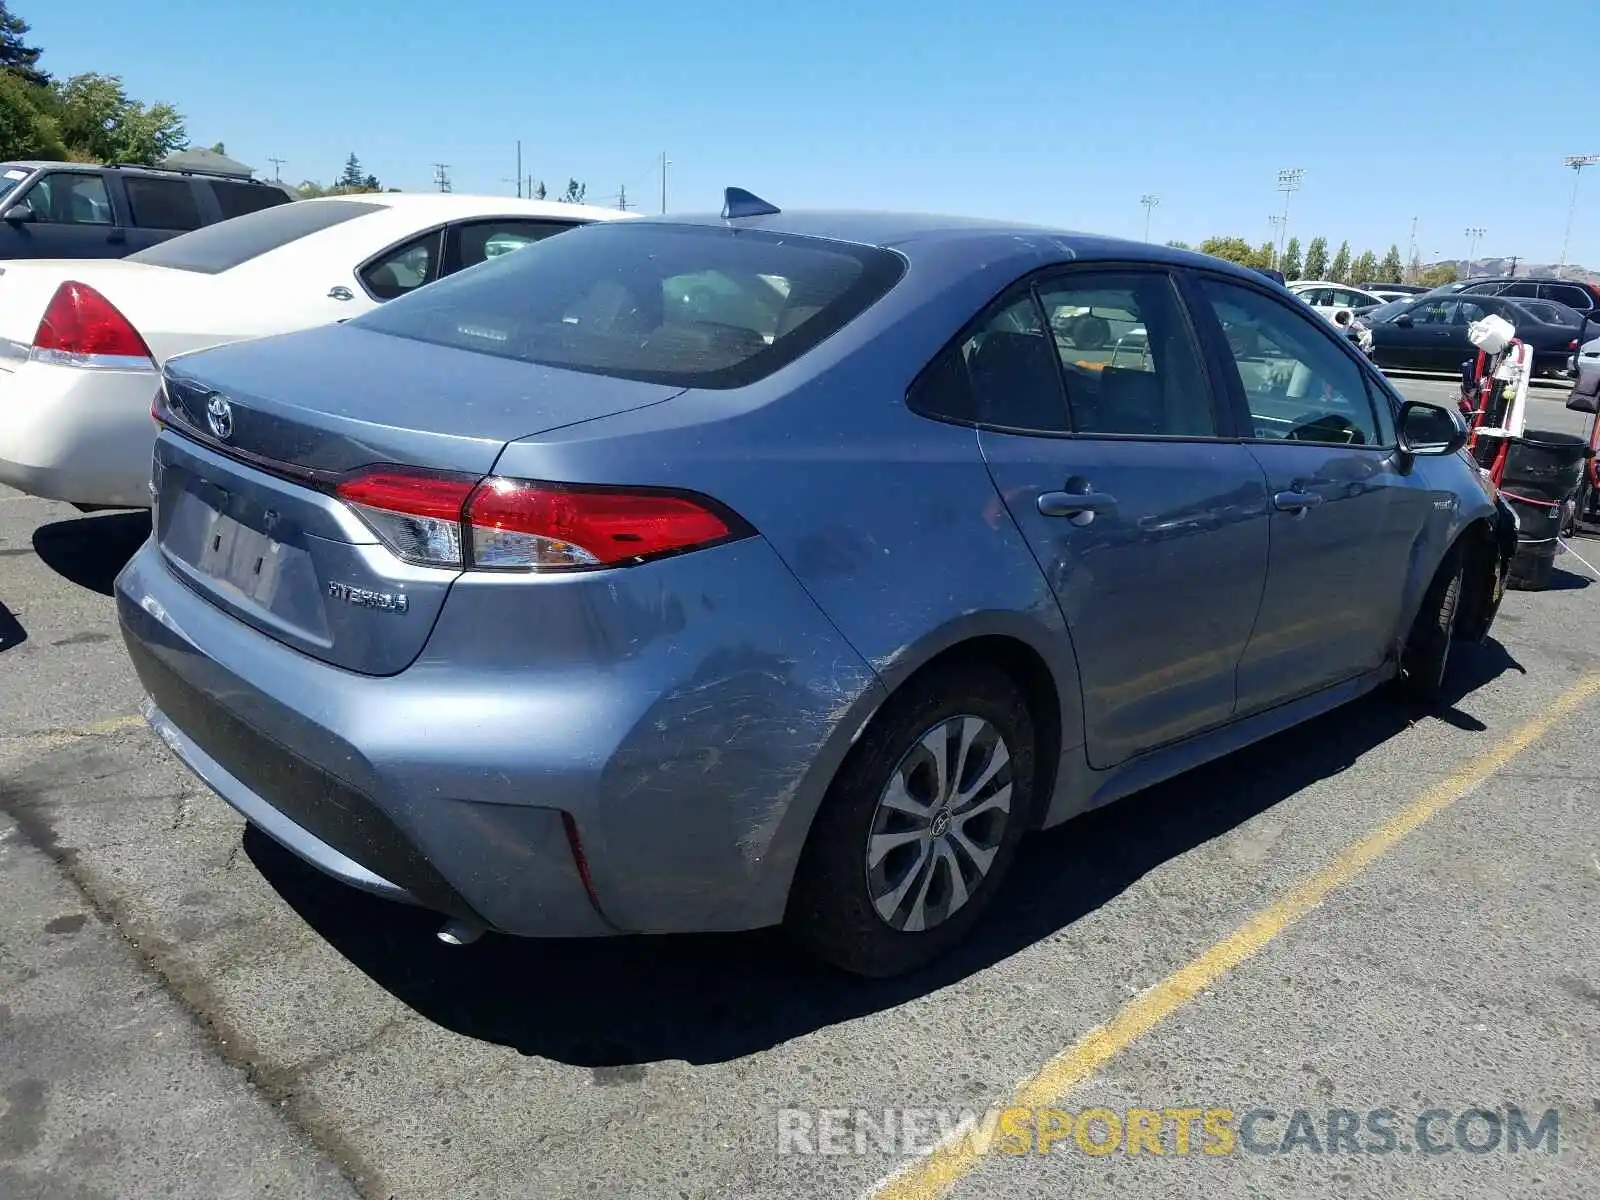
{"points": [[1425, 662], [920, 826]]}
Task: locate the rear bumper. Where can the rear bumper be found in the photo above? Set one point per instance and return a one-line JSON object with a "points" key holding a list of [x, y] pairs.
{"points": [[84, 436], [690, 768]]}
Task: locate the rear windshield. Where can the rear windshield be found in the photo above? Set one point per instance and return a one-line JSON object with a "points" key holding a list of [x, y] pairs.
{"points": [[685, 305], [226, 244]]}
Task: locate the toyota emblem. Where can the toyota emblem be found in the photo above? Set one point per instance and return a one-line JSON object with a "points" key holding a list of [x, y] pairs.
{"points": [[219, 415]]}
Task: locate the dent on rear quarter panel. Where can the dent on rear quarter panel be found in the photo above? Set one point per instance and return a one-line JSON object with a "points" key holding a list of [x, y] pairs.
{"points": [[688, 713]]}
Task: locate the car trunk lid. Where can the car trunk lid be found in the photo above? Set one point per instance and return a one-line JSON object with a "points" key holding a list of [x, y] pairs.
{"points": [[260, 433]]}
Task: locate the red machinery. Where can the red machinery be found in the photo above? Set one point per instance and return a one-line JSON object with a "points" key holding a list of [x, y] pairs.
{"points": [[1543, 474]]}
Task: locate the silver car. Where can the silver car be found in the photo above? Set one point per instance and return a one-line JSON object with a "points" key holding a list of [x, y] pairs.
{"points": [[718, 572]]}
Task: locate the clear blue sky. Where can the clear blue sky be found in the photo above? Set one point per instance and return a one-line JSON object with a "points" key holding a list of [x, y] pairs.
{"points": [[1058, 113]]}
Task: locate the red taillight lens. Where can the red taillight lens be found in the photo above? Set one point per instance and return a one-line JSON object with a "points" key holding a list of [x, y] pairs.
{"points": [[417, 514], [516, 524], [522, 525], [80, 321]]}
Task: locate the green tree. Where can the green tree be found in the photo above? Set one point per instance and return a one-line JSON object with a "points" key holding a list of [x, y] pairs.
{"points": [[574, 193], [27, 130], [1339, 269], [1265, 255], [1438, 275], [100, 122], [1365, 269], [1316, 259], [353, 177], [540, 192], [1234, 249], [16, 55], [1290, 266], [1390, 270]]}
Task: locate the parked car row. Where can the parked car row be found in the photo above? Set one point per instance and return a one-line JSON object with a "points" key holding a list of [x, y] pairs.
{"points": [[1429, 332], [736, 570]]}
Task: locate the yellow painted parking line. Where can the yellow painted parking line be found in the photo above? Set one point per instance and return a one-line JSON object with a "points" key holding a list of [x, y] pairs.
{"points": [[935, 1174], [51, 738]]}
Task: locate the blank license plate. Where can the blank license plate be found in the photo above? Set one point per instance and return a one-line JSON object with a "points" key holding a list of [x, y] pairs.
{"points": [[247, 561]]}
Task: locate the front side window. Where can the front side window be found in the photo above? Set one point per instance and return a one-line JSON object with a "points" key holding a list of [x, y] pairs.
{"points": [[162, 203], [403, 269], [1298, 384], [684, 305], [1127, 355], [1433, 312], [70, 198]]}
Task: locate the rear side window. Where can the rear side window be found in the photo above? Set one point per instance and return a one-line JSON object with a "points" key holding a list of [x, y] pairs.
{"points": [[162, 203], [1569, 294], [237, 199], [676, 304], [227, 244]]}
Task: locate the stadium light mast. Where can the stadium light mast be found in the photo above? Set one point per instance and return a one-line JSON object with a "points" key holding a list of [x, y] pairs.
{"points": [[1577, 162], [1288, 183]]}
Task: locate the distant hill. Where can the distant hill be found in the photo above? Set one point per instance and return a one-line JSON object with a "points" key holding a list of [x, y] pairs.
{"points": [[1502, 266]]}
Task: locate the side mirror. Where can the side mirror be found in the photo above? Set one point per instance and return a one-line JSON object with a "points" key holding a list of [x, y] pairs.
{"points": [[1429, 429], [1403, 320], [17, 213]]}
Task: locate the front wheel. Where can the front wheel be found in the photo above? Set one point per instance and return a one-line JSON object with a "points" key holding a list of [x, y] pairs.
{"points": [[920, 826]]}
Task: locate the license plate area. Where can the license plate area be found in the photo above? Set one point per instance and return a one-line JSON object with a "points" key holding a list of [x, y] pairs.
{"points": [[246, 560]]}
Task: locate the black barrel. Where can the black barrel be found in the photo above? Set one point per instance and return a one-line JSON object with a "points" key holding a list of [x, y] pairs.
{"points": [[1543, 470]]}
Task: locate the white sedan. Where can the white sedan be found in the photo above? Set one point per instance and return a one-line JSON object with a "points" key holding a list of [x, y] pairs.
{"points": [[1333, 300], [82, 340]]}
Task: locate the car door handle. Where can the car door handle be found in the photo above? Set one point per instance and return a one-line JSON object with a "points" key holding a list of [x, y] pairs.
{"points": [[1295, 502], [1079, 507]]}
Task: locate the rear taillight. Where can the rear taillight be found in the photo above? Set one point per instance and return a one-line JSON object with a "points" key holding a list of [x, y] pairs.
{"points": [[499, 524], [83, 328]]}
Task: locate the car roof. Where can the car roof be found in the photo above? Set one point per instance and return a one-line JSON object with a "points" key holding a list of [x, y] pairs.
{"points": [[446, 206], [917, 234]]}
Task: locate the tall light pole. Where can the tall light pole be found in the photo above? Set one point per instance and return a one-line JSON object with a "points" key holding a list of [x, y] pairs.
{"points": [[1577, 162], [1474, 235], [1288, 183], [1411, 252], [1277, 223], [1149, 200], [665, 163]]}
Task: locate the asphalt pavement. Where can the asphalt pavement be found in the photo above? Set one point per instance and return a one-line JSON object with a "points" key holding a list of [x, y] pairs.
{"points": [[1359, 959]]}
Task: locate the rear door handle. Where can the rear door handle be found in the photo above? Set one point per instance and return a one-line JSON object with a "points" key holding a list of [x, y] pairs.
{"points": [[1079, 507], [1295, 502]]}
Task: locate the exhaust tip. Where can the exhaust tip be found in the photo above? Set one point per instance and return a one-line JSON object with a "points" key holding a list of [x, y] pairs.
{"points": [[456, 932]]}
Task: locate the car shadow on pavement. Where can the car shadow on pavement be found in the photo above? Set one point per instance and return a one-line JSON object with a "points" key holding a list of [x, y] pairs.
{"points": [[12, 634], [89, 551], [616, 1003]]}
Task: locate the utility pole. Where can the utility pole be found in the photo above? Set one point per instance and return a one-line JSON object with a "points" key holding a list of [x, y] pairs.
{"points": [[440, 178], [665, 163], [1149, 200], [1474, 235], [622, 197], [1577, 162], [1411, 249], [1514, 259], [1288, 183], [277, 169], [519, 169]]}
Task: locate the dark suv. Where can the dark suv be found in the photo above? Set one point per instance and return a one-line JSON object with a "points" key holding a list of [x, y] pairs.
{"points": [[1584, 297], [83, 210]]}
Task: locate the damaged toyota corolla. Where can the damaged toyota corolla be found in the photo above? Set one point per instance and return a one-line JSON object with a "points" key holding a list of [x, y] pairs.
{"points": [[710, 573]]}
